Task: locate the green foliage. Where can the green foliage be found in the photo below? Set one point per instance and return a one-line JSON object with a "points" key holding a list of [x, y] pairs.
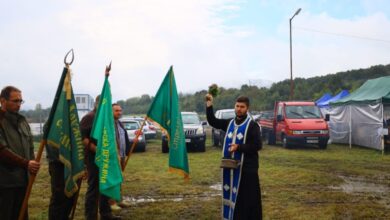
{"points": [[261, 98], [213, 90], [136, 105], [36, 115]]}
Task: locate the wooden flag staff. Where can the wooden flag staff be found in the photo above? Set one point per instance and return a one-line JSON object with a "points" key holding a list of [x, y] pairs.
{"points": [[135, 141]]}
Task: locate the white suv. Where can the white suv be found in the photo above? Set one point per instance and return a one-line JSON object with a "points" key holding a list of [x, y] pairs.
{"points": [[194, 131]]}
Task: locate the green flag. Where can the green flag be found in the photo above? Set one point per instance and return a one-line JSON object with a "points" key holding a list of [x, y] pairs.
{"points": [[165, 111], [110, 175], [63, 132]]}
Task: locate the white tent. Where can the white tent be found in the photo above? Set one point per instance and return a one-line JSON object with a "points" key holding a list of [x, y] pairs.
{"points": [[359, 118]]}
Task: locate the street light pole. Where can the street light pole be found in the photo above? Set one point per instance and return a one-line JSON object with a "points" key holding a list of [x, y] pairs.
{"points": [[291, 76]]}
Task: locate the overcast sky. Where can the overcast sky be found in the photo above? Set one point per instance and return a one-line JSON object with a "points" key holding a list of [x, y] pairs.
{"points": [[207, 41]]}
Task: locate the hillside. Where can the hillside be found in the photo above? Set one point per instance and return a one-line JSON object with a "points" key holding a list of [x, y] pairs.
{"points": [[264, 98], [261, 98]]}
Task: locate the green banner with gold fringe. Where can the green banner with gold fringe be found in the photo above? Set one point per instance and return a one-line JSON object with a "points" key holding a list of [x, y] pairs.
{"points": [[165, 110], [63, 132]]}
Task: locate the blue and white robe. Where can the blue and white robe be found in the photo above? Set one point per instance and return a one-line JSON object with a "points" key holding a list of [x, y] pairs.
{"points": [[235, 134]]}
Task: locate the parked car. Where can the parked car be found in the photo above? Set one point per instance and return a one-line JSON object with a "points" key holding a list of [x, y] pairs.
{"points": [[149, 129], [132, 127], [218, 135], [265, 120], [195, 135], [297, 122]]}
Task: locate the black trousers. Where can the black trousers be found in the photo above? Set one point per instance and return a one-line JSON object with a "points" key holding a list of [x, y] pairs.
{"points": [[11, 200], [93, 198], [248, 204], [60, 205]]}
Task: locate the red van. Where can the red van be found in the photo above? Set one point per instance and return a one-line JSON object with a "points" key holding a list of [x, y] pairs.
{"points": [[297, 123]]}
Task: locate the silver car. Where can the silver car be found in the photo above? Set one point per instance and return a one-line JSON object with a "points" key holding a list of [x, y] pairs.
{"points": [[149, 129], [132, 127]]}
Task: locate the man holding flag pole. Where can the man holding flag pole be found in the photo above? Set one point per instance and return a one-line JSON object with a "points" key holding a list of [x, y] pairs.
{"points": [[103, 168], [62, 131], [17, 163]]}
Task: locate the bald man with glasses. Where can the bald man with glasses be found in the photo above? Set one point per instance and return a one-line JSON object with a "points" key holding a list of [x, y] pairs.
{"points": [[16, 153]]}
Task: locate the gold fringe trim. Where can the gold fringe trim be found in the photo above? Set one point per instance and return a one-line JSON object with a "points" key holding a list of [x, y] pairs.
{"points": [[68, 85], [171, 169], [180, 172], [75, 177], [53, 144], [161, 127]]}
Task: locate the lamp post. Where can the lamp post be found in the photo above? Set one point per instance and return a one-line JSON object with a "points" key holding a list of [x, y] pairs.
{"points": [[291, 77]]}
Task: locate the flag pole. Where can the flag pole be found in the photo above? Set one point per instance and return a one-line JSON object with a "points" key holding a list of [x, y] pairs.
{"points": [[31, 182], [42, 145], [75, 199], [135, 141]]}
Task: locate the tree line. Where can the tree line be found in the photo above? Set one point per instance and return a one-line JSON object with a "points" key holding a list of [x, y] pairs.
{"points": [[261, 98]]}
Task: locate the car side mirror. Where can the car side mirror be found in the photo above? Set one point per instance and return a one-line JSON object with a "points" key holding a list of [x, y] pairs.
{"points": [[204, 123], [279, 118], [327, 117]]}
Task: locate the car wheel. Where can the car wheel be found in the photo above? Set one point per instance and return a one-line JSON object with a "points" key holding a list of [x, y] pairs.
{"points": [[215, 139], [164, 146], [284, 142], [221, 140], [203, 147], [271, 138], [323, 144], [142, 148]]}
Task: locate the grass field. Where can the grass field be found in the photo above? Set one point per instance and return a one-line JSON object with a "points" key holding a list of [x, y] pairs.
{"points": [[300, 183]]}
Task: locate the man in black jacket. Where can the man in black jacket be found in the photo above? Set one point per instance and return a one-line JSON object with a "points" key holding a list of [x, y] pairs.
{"points": [[241, 186], [93, 198], [60, 206]]}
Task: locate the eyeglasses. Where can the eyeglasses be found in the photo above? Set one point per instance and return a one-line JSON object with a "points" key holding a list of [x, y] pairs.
{"points": [[17, 101]]}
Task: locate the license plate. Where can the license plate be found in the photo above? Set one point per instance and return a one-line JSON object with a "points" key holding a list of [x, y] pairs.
{"points": [[312, 141], [188, 140]]}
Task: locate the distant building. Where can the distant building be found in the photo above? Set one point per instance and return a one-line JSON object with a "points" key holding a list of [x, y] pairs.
{"points": [[36, 128], [85, 104]]}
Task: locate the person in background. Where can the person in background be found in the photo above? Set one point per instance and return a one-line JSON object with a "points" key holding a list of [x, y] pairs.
{"points": [[93, 199], [123, 146], [16, 154], [60, 205]]}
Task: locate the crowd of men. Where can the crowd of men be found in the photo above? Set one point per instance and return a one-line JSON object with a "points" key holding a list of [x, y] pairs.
{"points": [[17, 162]]}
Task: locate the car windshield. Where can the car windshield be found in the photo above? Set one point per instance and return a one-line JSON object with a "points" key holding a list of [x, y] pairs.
{"points": [[131, 125], [300, 112], [228, 115], [267, 115], [190, 119]]}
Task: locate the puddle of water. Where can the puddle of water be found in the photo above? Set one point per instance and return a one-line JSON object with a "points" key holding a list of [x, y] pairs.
{"points": [[217, 186], [176, 198], [360, 185]]}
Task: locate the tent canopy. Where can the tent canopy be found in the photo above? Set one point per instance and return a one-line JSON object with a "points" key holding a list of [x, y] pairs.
{"points": [[339, 96], [324, 98], [372, 91]]}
